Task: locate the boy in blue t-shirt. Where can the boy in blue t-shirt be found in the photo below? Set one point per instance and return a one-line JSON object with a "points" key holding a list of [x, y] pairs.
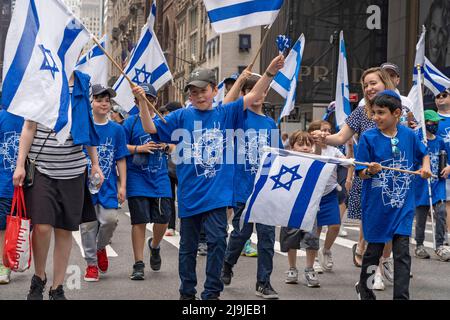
{"points": [[258, 132], [96, 235], [435, 146], [148, 186], [10, 129], [387, 195], [204, 137]]}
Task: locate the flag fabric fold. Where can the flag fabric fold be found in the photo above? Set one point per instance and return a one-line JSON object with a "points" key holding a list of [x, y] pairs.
{"points": [[288, 189], [285, 81], [43, 44], [342, 107], [147, 64], [234, 15], [95, 63]]}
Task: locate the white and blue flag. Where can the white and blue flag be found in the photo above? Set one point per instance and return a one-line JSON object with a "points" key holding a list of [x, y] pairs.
{"points": [[285, 81], [218, 99], [147, 64], [342, 107], [234, 15], [42, 47], [288, 189], [95, 64]]}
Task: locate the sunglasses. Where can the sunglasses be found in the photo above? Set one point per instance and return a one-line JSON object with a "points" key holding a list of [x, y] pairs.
{"points": [[395, 148], [442, 96]]}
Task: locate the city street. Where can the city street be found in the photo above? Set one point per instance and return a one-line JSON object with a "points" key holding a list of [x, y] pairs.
{"points": [[430, 280]]}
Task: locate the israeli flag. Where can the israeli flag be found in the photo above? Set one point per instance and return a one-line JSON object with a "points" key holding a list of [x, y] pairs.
{"points": [[234, 15], [343, 108], [95, 64], [287, 191], [147, 64], [218, 99], [434, 79], [285, 81], [43, 44]]}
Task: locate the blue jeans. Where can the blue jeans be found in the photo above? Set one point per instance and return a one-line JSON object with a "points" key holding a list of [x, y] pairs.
{"points": [[266, 242], [215, 225]]}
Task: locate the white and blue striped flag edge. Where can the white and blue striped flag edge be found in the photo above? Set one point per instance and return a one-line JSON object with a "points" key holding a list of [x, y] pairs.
{"points": [[342, 106]]}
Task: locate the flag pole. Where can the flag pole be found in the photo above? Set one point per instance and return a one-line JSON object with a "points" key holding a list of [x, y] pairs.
{"points": [[132, 84], [425, 140], [392, 169], [250, 67]]}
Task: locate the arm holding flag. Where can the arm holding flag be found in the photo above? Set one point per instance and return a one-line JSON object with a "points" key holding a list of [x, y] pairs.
{"points": [[263, 84]]}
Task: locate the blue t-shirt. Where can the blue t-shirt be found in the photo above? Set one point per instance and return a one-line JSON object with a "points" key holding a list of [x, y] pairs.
{"points": [[149, 180], [113, 147], [437, 185], [388, 204], [10, 129], [444, 130], [257, 133], [204, 155]]}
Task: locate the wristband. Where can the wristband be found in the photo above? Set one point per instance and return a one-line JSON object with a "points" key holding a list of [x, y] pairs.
{"points": [[269, 74]]}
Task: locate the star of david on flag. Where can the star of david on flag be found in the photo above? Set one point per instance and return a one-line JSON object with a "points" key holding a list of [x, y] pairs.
{"points": [[147, 64], [42, 47], [288, 188], [285, 171]]}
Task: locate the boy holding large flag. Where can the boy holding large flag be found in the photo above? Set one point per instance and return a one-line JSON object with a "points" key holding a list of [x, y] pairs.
{"points": [[205, 182]]}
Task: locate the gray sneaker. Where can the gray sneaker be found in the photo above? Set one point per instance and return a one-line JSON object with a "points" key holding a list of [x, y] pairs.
{"points": [[421, 253], [443, 253], [311, 278], [387, 269], [292, 276]]}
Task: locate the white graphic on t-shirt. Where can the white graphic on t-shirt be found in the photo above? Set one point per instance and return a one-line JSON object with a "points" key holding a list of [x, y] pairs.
{"points": [[155, 160], [254, 148], [207, 151], [434, 163], [446, 135], [394, 184], [9, 149], [105, 154]]}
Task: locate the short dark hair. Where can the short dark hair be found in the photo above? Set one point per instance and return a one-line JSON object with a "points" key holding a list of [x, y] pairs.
{"points": [[102, 95], [386, 101]]}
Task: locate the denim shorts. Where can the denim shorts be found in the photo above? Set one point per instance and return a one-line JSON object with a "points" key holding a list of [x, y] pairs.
{"points": [[5, 209], [145, 210]]}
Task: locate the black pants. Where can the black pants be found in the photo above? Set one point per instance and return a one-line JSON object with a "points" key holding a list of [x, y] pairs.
{"points": [[173, 215], [402, 266]]}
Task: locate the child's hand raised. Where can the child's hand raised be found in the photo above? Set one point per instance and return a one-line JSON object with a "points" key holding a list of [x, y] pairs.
{"points": [[138, 92], [276, 64]]}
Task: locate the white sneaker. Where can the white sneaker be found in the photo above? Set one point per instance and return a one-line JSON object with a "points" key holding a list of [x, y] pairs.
{"points": [[317, 267], [378, 283], [292, 276], [342, 232], [325, 259], [387, 269]]}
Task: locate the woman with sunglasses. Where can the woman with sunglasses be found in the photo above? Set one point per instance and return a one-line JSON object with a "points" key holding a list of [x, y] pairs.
{"points": [[373, 81], [443, 108], [388, 196]]}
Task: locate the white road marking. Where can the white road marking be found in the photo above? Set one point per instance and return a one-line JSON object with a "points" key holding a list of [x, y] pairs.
{"points": [[109, 250]]}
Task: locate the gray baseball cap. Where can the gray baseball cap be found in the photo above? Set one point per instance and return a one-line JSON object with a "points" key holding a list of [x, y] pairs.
{"points": [[98, 89], [201, 78], [149, 90]]}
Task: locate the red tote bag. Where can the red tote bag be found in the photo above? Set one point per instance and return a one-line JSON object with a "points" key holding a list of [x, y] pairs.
{"points": [[17, 247]]}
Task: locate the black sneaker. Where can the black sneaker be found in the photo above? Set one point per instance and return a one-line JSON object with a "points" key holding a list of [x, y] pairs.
{"points": [[138, 271], [266, 291], [155, 257], [188, 297], [37, 288], [57, 294], [364, 294], [227, 274]]}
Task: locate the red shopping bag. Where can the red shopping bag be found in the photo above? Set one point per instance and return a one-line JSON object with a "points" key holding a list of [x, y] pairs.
{"points": [[17, 247]]}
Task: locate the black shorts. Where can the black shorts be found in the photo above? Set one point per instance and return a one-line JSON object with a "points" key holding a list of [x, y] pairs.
{"points": [[56, 202], [291, 238], [145, 210]]}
